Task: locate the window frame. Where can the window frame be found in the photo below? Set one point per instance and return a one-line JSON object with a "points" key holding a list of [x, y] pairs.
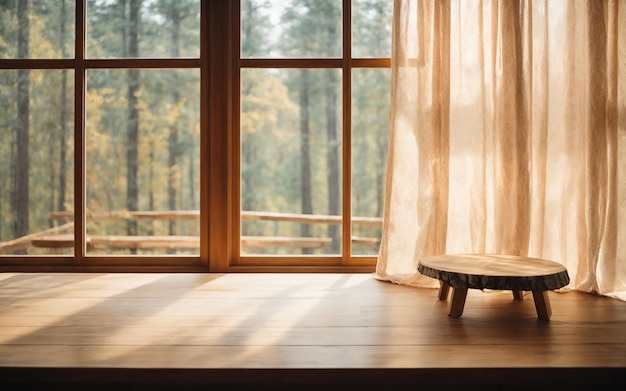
{"points": [[219, 64]]}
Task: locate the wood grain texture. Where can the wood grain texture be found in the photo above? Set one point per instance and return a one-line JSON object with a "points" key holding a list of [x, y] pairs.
{"points": [[327, 328], [490, 271], [542, 304], [458, 302]]}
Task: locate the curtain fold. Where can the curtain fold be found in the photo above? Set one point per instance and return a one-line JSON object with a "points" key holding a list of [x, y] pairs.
{"points": [[507, 135]]}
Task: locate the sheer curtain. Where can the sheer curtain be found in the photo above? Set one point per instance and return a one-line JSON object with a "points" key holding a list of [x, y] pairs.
{"points": [[508, 135]]}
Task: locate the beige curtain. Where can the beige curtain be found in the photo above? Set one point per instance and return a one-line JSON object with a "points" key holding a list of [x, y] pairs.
{"points": [[508, 135]]}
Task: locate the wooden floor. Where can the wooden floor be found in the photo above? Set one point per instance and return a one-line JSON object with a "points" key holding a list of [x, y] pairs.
{"points": [[296, 331]]}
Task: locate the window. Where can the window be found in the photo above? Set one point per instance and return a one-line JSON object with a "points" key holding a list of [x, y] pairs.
{"points": [[222, 135]]}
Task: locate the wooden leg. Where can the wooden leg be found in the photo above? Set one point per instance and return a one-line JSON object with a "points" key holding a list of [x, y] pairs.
{"points": [[458, 302], [542, 304], [443, 290], [518, 295]]}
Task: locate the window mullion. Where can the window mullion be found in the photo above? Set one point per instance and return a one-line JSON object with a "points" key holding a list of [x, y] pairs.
{"points": [[204, 117], [346, 132], [217, 194], [79, 134]]}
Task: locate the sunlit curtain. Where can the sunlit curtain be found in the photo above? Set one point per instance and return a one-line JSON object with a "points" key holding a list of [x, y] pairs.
{"points": [[508, 135]]}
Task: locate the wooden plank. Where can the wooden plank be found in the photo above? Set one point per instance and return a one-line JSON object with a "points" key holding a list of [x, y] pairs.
{"points": [[66, 323], [55, 241], [363, 242], [274, 241], [245, 215], [146, 242], [139, 215], [181, 242], [24, 242], [290, 321], [161, 333], [310, 219], [301, 356]]}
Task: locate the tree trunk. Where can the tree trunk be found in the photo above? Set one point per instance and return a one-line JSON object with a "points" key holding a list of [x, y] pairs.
{"points": [[132, 151], [151, 205], [63, 119], [305, 154], [22, 127], [333, 144], [193, 202], [172, 143], [52, 146], [333, 139], [247, 196]]}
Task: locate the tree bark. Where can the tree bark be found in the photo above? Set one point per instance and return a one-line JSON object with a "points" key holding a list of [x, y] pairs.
{"points": [[333, 144], [132, 151], [305, 154], [63, 119], [172, 143], [151, 205], [22, 170], [333, 139]]}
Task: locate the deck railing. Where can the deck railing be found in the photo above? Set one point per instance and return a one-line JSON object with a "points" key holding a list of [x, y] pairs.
{"points": [[60, 236]]}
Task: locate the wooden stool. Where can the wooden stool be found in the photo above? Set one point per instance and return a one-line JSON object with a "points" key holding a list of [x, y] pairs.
{"points": [[499, 272]]}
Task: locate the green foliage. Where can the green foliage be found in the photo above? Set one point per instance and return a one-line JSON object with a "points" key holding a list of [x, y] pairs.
{"points": [[51, 30], [274, 114], [109, 26], [371, 29], [167, 101], [272, 164], [312, 28], [107, 113]]}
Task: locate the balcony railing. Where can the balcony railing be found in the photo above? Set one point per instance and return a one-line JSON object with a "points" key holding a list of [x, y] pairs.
{"points": [[60, 236]]}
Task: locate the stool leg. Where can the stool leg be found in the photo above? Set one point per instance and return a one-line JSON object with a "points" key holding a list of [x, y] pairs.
{"points": [[518, 295], [443, 290], [458, 302], [542, 304]]}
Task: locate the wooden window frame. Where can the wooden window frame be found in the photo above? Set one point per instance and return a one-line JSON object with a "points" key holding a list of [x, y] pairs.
{"points": [[219, 64], [345, 261]]}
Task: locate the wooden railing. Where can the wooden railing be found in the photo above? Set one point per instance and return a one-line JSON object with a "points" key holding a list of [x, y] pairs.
{"points": [[245, 215], [61, 237]]}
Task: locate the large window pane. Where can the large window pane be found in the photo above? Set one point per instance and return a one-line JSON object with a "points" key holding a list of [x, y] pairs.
{"points": [[142, 161], [370, 126], [37, 29], [291, 28], [36, 161], [136, 28], [371, 28], [291, 161]]}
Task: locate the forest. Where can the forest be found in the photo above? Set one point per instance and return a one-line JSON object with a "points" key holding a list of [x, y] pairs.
{"points": [[142, 126]]}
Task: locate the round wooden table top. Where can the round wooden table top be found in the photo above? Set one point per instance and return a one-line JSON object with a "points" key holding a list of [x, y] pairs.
{"points": [[490, 271]]}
